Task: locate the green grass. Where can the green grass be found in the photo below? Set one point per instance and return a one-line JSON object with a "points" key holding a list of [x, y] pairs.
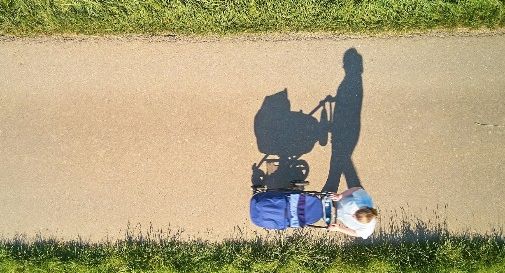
{"points": [[221, 17], [404, 248]]}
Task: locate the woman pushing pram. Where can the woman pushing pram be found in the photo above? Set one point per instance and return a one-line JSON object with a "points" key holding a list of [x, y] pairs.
{"points": [[350, 212], [355, 209]]}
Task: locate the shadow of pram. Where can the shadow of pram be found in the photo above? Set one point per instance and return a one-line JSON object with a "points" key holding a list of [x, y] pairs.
{"points": [[283, 136]]}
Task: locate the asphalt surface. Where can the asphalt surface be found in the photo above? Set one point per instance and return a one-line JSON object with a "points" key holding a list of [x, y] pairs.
{"points": [[99, 133]]}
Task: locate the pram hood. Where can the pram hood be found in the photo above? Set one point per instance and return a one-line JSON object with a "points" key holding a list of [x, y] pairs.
{"points": [[280, 210]]}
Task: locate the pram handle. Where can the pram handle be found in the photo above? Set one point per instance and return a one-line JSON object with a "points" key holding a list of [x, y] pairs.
{"points": [[328, 99]]}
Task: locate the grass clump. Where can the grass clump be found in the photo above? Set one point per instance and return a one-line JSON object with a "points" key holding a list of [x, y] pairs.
{"points": [[405, 248], [35, 17]]}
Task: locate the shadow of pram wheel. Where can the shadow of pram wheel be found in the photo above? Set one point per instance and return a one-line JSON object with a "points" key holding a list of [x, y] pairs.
{"points": [[280, 174], [299, 184], [295, 185], [259, 188], [300, 169]]}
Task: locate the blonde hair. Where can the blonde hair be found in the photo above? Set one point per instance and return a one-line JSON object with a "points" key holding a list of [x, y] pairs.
{"points": [[366, 214]]}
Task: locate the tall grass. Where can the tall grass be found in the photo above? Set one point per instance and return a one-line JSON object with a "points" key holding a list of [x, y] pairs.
{"points": [[418, 247], [33, 17]]}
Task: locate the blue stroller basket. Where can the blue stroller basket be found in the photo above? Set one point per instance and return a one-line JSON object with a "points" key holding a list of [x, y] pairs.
{"points": [[295, 209]]}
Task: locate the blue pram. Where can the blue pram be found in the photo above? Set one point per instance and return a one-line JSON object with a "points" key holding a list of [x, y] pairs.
{"points": [[290, 209], [288, 135]]}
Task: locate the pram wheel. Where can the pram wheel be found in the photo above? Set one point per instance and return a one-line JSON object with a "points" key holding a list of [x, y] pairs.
{"points": [[258, 175], [300, 169], [259, 188], [299, 184]]}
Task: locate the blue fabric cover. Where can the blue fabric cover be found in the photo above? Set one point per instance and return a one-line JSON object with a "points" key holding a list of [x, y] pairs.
{"points": [[294, 221], [313, 209], [272, 210]]}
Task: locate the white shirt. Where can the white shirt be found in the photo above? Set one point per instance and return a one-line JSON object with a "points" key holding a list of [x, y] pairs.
{"points": [[346, 208]]}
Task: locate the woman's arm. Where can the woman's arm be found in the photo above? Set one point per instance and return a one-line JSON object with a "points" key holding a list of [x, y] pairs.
{"points": [[347, 192], [350, 191], [345, 230]]}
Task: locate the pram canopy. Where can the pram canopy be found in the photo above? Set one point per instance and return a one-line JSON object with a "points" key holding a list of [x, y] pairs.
{"points": [[280, 210]]}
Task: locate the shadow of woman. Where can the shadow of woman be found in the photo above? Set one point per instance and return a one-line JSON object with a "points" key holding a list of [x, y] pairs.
{"points": [[346, 125]]}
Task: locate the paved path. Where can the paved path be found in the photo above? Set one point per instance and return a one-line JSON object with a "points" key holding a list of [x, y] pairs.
{"points": [[98, 133]]}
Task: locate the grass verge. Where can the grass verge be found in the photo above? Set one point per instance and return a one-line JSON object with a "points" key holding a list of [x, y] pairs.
{"points": [[407, 248], [221, 17]]}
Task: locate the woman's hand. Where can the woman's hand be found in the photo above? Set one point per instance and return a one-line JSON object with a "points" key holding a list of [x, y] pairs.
{"points": [[345, 230], [333, 227], [335, 197]]}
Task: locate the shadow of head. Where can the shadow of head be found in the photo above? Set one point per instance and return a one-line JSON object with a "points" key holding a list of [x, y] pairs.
{"points": [[353, 62]]}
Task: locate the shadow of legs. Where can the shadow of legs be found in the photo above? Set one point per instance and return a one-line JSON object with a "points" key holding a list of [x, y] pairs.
{"points": [[341, 165]]}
